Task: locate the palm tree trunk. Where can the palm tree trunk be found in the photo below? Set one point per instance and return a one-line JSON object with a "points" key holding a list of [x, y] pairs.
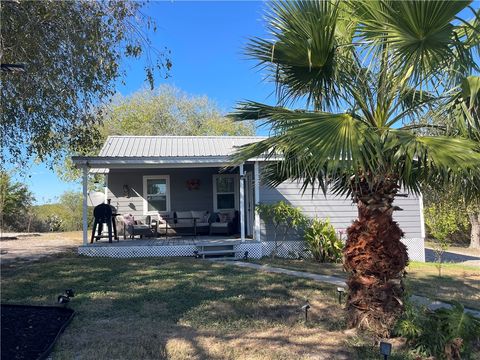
{"points": [[475, 232], [375, 259]]}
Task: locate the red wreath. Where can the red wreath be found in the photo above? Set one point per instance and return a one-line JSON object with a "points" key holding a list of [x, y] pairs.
{"points": [[193, 184]]}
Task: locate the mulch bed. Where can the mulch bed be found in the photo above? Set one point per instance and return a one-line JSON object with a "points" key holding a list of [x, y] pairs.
{"points": [[29, 332]]}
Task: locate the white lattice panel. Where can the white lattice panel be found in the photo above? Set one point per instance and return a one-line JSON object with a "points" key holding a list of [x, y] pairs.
{"points": [[287, 249], [254, 250], [137, 251], [416, 248]]}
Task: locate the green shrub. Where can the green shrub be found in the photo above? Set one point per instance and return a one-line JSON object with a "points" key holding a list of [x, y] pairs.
{"points": [[443, 333], [322, 241], [287, 222]]}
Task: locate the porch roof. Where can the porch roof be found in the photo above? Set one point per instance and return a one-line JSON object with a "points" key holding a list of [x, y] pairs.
{"points": [[167, 151]]}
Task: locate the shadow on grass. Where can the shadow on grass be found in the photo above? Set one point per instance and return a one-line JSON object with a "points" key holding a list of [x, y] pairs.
{"points": [[447, 288], [141, 308]]}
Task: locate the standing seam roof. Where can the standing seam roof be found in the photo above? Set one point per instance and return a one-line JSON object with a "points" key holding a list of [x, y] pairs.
{"points": [[174, 146]]}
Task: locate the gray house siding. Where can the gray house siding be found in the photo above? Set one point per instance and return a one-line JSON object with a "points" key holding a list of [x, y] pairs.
{"points": [[339, 210], [342, 212]]}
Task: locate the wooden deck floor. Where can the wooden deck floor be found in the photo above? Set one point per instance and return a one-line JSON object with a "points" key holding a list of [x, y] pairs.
{"points": [[171, 241]]}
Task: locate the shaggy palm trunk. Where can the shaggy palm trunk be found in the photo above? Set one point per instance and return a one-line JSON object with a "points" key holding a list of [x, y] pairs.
{"points": [[375, 259]]}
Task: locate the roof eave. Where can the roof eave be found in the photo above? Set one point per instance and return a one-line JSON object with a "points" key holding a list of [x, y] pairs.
{"points": [[113, 162]]}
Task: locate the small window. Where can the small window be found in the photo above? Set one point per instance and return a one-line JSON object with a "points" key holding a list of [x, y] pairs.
{"points": [[156, 194], [225, 192]]}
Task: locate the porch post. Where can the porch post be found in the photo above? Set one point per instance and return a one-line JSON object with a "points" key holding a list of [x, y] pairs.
{"points": [[84, 219], [242, 204], [105, 179], [256, 175]]}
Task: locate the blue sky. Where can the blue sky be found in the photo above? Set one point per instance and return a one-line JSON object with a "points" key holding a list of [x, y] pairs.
{"points": [[206, 41]]}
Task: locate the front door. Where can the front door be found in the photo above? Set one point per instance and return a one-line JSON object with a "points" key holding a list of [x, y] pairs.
{"points": [[249, 204]]}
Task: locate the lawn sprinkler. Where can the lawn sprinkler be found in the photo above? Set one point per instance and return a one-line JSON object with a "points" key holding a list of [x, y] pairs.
{"points": [[305, 308], [63, 299], [245, 255], [385, 349], [340, 291]]}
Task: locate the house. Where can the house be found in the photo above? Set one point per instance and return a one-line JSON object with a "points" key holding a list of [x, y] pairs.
{"points": [[148, 175]]}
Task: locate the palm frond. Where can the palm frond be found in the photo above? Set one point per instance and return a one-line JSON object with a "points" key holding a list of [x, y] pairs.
{"points": [[304, 57], [419, 34], [417, 159]]}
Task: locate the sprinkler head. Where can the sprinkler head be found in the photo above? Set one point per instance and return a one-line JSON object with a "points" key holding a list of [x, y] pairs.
{"points": [[70, 293], [63, 299]]}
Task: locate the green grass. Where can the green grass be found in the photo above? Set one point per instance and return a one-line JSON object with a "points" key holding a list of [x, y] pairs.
{"points": [[458, 282], [174, 308]]}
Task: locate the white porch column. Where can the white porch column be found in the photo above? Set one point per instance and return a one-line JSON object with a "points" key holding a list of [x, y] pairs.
{"points": [[84, 219], [106, 187], [256, 176], [242, 204]]}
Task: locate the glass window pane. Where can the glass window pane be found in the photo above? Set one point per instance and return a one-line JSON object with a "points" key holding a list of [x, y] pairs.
{"points": [[157, 194], [225, 201], [225, 184], [157, 203], [157, 186]]}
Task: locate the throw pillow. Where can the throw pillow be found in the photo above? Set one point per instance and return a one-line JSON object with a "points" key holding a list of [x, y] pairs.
{"points": [[129, 219]]}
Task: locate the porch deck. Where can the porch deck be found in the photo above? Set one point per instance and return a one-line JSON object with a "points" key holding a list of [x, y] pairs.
{"points": [[173, 241], [171, 246]]}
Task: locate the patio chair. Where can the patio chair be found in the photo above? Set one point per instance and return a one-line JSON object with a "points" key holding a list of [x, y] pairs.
{"points": [[226, 223], [136, 228]]}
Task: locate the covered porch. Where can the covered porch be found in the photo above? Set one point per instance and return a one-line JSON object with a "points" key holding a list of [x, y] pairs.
{"points": [[175, 186]]}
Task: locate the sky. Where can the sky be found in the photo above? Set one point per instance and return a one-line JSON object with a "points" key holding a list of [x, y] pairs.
{"points": [[206, 40]]}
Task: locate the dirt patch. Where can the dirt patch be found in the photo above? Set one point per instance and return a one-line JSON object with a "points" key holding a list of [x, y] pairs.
{"points": [[27, 247]]}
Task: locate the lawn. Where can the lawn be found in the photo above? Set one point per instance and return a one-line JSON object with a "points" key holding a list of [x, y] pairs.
{"points": [[458, 282], [174, 308]]}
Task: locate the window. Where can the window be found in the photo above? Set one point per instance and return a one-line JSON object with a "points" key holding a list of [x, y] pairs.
{"points": [[225, 192], [156, 194]]}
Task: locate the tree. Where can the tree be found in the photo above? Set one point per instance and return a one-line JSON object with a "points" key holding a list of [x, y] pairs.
{"points": [[71, 52], [465, 110], [164, 111], [452, 206], [392, 65], [15, 204]]}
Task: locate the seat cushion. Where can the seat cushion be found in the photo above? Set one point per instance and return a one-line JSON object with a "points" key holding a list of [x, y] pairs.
{"points": [[219, 225], [201, 216], [202, 224], [226, 216], [184, 217]]}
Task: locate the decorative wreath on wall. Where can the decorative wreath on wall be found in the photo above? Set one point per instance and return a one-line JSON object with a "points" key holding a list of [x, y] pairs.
{"points": [[193, 184]]}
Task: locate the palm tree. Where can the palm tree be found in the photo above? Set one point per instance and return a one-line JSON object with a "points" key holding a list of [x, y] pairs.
{"points": [[371, 76]]}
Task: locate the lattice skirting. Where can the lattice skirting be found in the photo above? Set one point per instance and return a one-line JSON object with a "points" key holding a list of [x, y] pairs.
{"points": [[137, 251], [296, 249], [256, 250], [416, 248]]}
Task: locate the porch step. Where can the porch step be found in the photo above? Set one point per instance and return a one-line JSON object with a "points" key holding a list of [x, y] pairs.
{"points": [[216, 250]]}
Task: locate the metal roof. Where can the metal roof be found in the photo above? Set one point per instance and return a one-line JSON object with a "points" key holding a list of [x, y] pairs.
{"points": [[174, 146]]}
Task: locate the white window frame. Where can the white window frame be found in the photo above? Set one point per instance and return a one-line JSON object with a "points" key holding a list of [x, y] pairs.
{"points": [[236, 182], [145, 201]]}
